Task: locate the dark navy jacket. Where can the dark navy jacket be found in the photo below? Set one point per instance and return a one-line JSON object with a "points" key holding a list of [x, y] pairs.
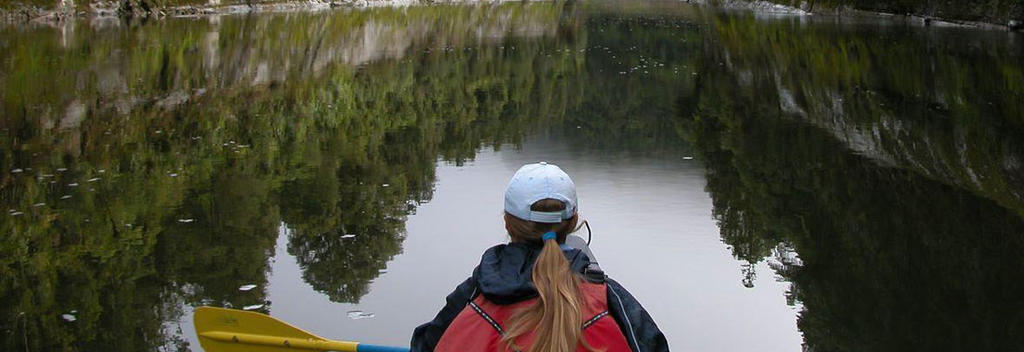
{"points": [[504, 277]]}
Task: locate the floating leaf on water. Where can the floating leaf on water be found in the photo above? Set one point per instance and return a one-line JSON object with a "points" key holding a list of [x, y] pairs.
{"points": [[358, 314], [246, 287], [348, 236], [68, 317], [186, 220], [253, 307]]}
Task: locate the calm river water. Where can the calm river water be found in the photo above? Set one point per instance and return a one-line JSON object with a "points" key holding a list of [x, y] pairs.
{"points": [[759, 182]]}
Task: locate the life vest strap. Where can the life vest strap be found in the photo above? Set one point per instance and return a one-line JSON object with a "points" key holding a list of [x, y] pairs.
{"points": [[487, 317], [593, 320], [497, 327], [490, 320]]}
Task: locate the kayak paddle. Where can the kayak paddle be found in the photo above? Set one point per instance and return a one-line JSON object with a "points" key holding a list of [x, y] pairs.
{"points": [[230, 330]]}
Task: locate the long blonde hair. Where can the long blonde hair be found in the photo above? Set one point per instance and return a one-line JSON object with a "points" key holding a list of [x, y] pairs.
{"points": [[556, 317]]}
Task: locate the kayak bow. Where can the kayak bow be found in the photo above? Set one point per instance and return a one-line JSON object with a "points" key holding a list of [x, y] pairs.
{"points": [[230, 330]]}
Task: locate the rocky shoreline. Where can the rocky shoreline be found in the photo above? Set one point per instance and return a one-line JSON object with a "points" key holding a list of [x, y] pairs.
{"points": [[66, 9], [21, 13], [1013, 22]]}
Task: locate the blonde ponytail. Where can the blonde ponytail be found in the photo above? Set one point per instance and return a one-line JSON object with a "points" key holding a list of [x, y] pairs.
{"points": [[556, 318]]}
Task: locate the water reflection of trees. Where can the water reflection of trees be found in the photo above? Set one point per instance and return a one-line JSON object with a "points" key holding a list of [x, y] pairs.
{"points": [[201, 148], [891, 256], [946, 104], [631, 79], [889, 260]]}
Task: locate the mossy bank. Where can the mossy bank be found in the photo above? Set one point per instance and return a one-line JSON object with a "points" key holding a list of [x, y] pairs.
{"points": [[16, 11], [1002, 14], [1006, 14]]}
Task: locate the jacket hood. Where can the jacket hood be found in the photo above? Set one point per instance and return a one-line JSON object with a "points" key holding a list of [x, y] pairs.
{"points": [[504, 273]]}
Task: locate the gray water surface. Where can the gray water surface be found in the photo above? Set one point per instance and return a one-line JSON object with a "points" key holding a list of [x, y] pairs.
{"points": [[664, 247]]}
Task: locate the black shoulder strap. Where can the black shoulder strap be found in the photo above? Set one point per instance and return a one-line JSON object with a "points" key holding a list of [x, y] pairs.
{"points": [[487, 317], [490, 320]]}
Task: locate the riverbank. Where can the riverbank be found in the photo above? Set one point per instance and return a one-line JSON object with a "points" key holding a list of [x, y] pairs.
{"points": [[985, 14], [24, 11]]}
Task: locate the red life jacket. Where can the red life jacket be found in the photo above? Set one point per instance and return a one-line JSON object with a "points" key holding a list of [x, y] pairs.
{"points": [[480, 326]]}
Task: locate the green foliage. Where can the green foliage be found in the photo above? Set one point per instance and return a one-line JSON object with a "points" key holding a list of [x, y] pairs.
{"points": [[893, 254], [884, 156], [205, 137], [997, 11], [949, 111], [890, 260]]}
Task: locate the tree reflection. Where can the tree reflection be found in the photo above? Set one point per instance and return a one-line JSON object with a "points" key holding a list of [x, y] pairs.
{"points": [[157, 164], [164, 178], [891, 257]]}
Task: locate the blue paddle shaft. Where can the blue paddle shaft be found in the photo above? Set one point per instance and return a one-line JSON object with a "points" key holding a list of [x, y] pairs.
{"points": [[376, 348]]}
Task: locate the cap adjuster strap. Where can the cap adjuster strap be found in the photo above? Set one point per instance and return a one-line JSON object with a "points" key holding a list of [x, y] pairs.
{"points": [[546, 217]]}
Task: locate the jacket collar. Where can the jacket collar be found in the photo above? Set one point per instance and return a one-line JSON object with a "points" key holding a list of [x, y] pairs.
{"points": [[504, 273]]}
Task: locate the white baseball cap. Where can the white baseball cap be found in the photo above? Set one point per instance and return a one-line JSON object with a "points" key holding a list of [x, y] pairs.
{"points": [[534, 182]]}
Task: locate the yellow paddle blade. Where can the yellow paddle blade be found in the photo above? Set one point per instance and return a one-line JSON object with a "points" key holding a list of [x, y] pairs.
{"points": [[230, 330]]}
